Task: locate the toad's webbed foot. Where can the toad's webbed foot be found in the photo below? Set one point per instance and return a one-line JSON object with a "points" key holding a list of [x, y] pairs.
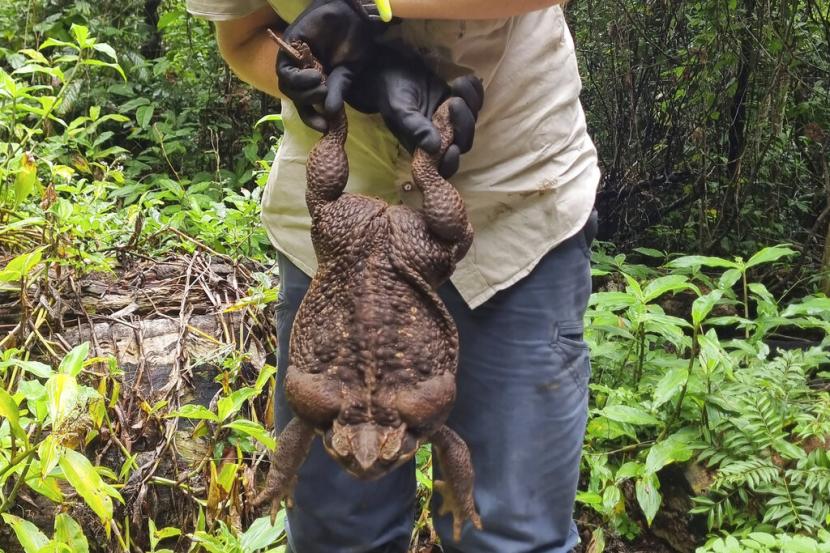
{"points": [[457, 488], [292, 450]]}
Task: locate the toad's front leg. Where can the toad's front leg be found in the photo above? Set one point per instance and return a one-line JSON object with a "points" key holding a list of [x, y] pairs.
{"points": [[457, 487], [292, 449]]}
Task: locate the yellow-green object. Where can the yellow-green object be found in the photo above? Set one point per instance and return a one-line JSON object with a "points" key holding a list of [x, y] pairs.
{"points": [[385, 10]]}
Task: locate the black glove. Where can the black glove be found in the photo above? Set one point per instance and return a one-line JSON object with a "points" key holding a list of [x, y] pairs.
{"points": [[399, 86], [339, 33]]}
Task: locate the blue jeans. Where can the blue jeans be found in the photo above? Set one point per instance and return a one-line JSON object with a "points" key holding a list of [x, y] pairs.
{"points": [[521, 407]]}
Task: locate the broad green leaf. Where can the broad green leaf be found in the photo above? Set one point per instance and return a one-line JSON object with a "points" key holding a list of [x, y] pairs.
{"points": [[25, 179], [73, 363], [254, 430], [728, 279], [264, 375], [663, 285], [29, 535], [40, 370], [816, 306], [227, 476], [108, 50], [229, 405], [69, 532], [193, 411], [768, 255], [689, 261], [671, 450], [9, 410], [262, 533], [62, 395], [81, 34], [648, 496], [629, 415], [763, 538], [669, 385], [633, 286], [613, 301], [80, 473], [703, 305], [631, 469], [143, 115], [21, 266], [47, 487], [99, 63], [650, 252]]}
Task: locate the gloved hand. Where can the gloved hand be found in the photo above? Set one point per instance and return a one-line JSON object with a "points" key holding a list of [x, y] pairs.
{"points": [[339, 33], [399, 86]]}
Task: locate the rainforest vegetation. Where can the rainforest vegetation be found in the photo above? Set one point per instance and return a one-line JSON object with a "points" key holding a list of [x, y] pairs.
{"points": [[138, 287]]}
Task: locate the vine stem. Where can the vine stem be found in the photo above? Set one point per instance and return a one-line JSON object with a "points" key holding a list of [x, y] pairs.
{"points": [[13, 494], [14, 461], [676, 413]]}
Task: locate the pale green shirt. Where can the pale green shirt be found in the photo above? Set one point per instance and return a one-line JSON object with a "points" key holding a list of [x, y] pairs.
{"points": [[528, 183]]}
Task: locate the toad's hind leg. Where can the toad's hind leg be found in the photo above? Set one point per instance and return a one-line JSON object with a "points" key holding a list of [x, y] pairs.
{"points": [[443, 207], [327, 169], [457, 487], [294, 443]]}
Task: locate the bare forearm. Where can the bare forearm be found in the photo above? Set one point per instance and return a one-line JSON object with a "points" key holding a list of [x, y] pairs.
{"points": [[467, 9], [246, 47]]}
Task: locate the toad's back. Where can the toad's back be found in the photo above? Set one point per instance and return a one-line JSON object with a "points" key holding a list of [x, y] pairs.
{"points": [[371, 319]]}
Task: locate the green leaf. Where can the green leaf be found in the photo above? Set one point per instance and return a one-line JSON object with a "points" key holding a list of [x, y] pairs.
{"points": [[81, 34], [669, 385], [40, 370], [728, 279], [227, 476], [271, 118], [9, 410], [26, 178], [254, 430], [262, 533], [80, 473], [673, 449], [264, 375], [813, 306], [631, 469], [62, 394], [648, 496], [29, 535], [663, 285], [768, 255], [73, 363], [650, 252], [612, 301], [788, 450], [69, 532], [629, 415], [143, 115], [192, 411], [703, 305], [106, 49], [168, 18], [21, 266], [229, 405], [690, 261]]}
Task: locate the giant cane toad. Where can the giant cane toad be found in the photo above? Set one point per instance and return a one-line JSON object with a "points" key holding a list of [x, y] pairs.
{"points": [[374, 351]]}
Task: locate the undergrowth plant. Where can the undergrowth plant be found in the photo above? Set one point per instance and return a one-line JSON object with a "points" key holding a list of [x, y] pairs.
{"points": [[684, 373]]}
